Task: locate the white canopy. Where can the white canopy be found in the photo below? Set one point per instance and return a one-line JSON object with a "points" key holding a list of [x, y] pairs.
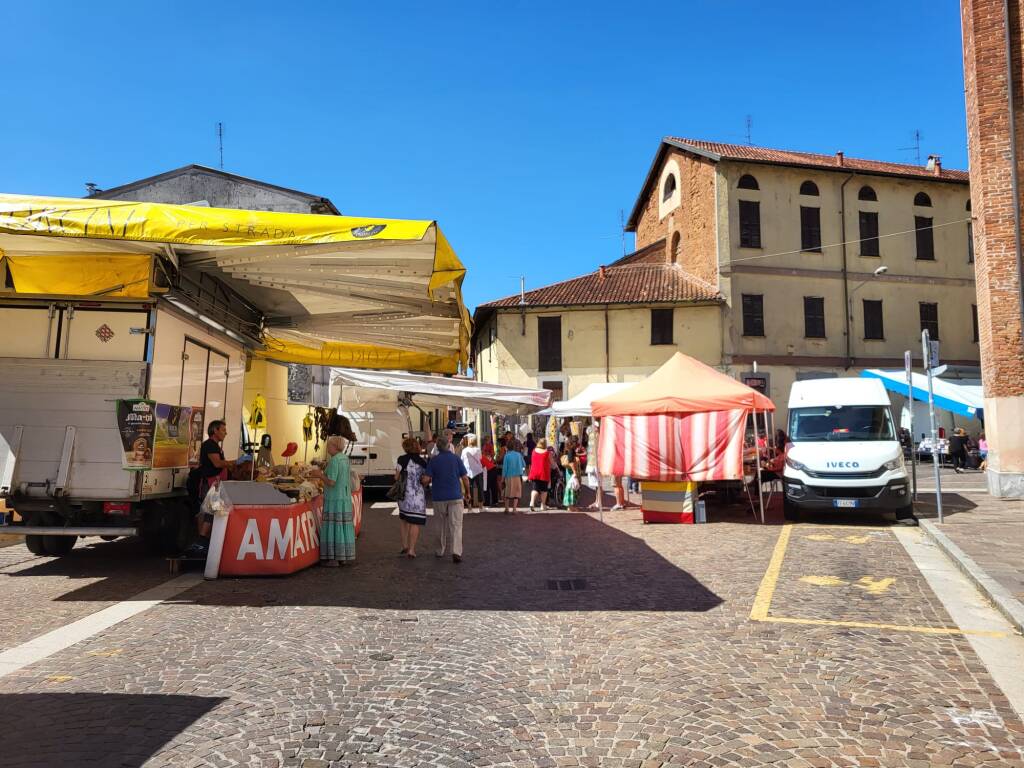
{"points": [[442, 391], [580, 405]]}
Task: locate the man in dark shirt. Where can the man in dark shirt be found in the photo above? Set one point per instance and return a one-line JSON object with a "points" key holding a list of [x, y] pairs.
{"points": [[211, 464], [446, 474]]}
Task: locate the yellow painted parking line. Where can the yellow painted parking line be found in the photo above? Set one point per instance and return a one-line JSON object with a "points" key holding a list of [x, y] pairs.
{"points": [[763, 601], [766, 591]]}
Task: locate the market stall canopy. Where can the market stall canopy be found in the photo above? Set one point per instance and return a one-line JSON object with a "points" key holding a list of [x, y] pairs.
{"points": [[958, 397], [682, 385], [580, 405], [441, 391], [364, 292]]}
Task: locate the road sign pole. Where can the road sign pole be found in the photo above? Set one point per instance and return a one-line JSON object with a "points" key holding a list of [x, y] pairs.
{"points": [[926, 350], [908, 364]]}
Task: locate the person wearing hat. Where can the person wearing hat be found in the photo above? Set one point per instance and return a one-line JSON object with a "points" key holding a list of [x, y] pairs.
{"points": [[958, 449]]}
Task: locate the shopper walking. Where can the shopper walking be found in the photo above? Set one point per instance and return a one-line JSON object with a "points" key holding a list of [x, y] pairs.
{"points": [[337, 531], [472, 458], [412, 508], [958, 449], [571, 467], [540, 475], [512, 469], [446, 475], [983, 451]]}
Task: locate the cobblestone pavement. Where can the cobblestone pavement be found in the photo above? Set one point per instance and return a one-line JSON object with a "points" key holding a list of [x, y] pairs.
{"points": [[989, 530], [44, 593], [649, 657]]}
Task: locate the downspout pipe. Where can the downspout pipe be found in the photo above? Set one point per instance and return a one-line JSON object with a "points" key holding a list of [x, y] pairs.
{"points": [[847, 309], [1012, 125], [607, 347]]}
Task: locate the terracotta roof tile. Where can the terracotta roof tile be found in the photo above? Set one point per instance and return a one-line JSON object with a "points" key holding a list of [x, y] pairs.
{"points": [[788, 157], [629, 283]]}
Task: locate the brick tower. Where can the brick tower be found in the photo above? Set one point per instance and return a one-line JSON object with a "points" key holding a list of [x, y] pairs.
{"points": [[995, 128]]}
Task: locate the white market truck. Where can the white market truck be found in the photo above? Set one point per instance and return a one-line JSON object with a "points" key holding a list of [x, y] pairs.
{"points": [[64, 364]]}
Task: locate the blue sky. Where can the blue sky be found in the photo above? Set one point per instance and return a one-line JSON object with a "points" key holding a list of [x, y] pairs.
{"points": [[524, 128]]}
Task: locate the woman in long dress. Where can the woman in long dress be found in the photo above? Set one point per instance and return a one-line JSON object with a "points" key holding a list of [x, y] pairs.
{"points": [[337, 530]]}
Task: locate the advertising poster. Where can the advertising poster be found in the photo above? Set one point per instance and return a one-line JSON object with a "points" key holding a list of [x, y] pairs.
{"points": [[196, 434], [136, 423], [174, 435]]}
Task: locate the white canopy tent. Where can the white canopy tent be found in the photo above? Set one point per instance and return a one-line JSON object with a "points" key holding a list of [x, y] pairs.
{"points": [[580, 405], [441, 391]]}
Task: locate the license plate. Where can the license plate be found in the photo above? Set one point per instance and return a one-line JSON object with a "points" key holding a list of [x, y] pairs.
{"points": [[844, 502], [357, 459]]}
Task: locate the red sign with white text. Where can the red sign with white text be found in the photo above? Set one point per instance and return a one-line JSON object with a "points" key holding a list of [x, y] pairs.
{"points": [[272, 540]]}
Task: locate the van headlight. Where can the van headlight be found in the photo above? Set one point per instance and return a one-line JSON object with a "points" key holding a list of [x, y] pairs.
{"points": [[893, 464], [794, 464]]}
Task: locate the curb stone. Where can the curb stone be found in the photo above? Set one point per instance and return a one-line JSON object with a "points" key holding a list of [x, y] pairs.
{"points": [[1000, 597]]}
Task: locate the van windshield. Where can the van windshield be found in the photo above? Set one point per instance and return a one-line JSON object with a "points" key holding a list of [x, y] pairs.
{"points": [[846, 422]]}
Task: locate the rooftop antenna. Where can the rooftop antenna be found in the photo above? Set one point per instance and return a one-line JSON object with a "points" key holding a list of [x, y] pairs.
{"points": [[220, 143], [916, 147], [750, 126], [622, 229]]}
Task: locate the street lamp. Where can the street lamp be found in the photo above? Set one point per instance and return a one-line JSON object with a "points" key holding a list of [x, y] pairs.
{"points": [[849, 309]]}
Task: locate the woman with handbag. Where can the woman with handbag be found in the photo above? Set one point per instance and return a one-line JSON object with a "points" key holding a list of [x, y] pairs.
{"points": [[408, 491]]}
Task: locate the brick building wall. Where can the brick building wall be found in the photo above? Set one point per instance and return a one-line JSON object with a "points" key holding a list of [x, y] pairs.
{"points": [[693, 219], [996, 230]]}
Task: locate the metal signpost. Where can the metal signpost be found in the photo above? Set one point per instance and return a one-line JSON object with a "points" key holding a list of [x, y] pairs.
{"points": [[908, 364], [930, 353]]}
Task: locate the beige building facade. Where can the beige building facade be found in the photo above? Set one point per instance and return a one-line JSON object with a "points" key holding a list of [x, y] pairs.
{"points": [[782, 266], [826, 265]]}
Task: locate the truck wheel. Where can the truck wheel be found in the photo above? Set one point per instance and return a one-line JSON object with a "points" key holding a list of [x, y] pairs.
{"points": [[167, 528], [35, 545], [905, 516], [58, 546]]}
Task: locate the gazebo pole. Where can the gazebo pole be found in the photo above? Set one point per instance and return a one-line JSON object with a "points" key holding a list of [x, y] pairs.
{"points": [[600, 484], [757, 457]]}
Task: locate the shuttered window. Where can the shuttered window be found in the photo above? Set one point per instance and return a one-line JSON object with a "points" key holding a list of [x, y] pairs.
{"points": [[549, 343], [925, 239], [930, 320], [869, 233], [753, 314], [661, 326], [814, 317], [750, 224], [810, 229], [873, 326]]}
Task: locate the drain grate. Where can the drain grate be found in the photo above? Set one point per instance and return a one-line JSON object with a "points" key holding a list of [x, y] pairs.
{"points": [[567, 585]]}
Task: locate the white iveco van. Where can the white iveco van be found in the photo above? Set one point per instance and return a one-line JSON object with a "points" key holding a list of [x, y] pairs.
{"points": [[845, 455]]}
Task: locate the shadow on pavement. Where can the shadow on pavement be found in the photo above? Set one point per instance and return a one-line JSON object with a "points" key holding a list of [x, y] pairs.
{"points": [[541, 562], [101, 729], [952, 503]]}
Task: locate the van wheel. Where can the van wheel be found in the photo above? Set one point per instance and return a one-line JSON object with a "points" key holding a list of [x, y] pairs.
{"points": [[905, 516], [789, 510], [59, 546]]}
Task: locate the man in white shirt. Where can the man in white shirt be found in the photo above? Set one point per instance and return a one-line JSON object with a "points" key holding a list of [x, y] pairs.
{"points": [[472, 459]]}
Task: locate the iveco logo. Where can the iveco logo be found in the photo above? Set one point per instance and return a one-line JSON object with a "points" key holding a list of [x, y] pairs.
{"points": [[842, 464]]}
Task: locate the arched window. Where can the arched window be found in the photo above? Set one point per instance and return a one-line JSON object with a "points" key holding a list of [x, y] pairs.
{"points": [[673, 255], [747, 182], [867, 193], [923, 200], [809, 188], [670, 187]]}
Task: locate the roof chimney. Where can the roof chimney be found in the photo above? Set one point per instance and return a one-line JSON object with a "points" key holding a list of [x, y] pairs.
{"points": [[935, 164], [603, 271], [91, 188], [839, 157]]}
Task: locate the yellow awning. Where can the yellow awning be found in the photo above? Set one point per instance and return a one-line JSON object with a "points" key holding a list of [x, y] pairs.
{"points": [[335, 290]]}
